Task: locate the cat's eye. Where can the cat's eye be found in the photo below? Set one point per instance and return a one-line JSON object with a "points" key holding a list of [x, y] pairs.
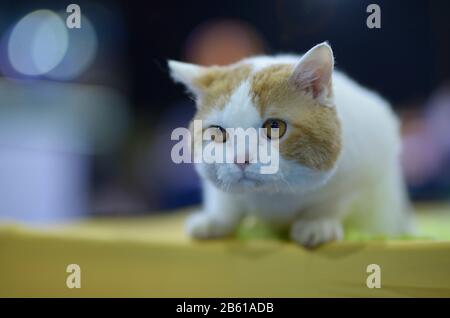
{"points": [[217, 134], [271, 125]]}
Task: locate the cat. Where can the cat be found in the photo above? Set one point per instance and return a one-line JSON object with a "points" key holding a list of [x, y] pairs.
{"points": [[338, 145]]}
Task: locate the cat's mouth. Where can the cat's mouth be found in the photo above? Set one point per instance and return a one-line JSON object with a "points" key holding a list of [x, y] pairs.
{"points": [[248, 180]]}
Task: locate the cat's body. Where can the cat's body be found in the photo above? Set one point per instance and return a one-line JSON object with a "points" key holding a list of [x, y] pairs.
{"points": [[339, 157]]}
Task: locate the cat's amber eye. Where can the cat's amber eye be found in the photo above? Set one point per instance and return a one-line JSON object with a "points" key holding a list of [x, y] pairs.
{"points": [[217, 134], [271, 125]]}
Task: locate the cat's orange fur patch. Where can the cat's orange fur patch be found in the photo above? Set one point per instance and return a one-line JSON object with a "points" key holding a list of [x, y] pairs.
{"points": [[218, 83], [270, 85], [314, 133]]}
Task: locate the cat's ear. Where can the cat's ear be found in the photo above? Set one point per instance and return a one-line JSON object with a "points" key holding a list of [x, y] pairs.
{"points": [[186, 74], [313, 72]]}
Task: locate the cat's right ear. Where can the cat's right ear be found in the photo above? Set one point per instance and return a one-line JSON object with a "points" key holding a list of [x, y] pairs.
{"points": [[186, 74]]}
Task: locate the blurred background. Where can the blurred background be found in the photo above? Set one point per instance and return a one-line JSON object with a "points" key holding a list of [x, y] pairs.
{"points": [[86, 114]]}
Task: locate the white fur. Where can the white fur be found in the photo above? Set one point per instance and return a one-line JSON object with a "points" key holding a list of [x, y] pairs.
{"points": [[364, 189]]}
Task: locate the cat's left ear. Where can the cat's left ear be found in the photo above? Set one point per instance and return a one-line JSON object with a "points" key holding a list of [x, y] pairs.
{"points": [[313, 73], [186, 74]]}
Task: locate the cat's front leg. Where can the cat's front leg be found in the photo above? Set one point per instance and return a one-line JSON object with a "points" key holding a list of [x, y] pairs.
{"points": [[313, 232], [205, 225], [321, 223], [220, 216]]}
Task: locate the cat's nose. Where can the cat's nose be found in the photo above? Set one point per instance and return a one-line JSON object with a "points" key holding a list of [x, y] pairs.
{"points": [[242, 161], [242, 165]]}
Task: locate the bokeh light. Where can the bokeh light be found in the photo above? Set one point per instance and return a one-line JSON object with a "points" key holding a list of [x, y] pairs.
{"points": [[223, 41], [38, 43], [81, 51]]}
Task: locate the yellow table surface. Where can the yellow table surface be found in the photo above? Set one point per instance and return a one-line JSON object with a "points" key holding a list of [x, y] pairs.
{"points": [[152, 257]]}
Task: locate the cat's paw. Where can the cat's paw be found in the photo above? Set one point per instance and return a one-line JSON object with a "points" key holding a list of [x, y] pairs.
{"points": [[203, 226], [311, 233]]}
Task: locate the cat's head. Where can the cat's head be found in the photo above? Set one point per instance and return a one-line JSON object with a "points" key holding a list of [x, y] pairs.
{"points": [[293, 94]]}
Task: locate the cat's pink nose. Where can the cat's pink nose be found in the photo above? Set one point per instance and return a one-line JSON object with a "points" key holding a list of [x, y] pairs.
{"points": [[242, 165], [242, 160]]}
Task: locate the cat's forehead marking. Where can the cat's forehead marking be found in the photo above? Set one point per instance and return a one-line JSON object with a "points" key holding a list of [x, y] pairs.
{"points": [[240, 111], [218, 83]]}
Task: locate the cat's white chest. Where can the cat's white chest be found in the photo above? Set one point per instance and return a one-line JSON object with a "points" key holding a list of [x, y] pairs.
{"points": [[278, 208]]}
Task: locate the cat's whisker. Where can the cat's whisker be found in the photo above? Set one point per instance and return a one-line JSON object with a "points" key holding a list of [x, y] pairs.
{"points": [[282, 178], [275, 184]]}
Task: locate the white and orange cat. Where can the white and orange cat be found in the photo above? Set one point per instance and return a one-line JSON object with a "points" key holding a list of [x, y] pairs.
{"points": [[339, 149]]}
